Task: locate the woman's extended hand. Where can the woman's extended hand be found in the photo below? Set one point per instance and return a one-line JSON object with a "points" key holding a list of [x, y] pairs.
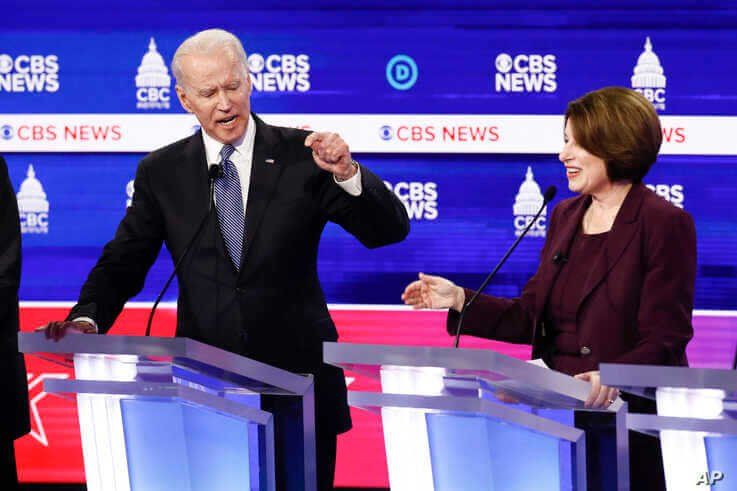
{"points": [[433, 292], [601, 396]]}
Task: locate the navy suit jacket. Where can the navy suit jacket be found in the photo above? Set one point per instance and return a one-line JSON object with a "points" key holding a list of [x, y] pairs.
{"points": [[638, 296], [272, 309]]}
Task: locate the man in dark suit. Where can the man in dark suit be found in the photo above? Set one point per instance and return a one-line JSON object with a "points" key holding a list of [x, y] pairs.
{"points": [[14, 421], [249, 285]]}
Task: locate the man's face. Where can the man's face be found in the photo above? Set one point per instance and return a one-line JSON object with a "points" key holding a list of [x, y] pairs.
{"points": [[216, 89]]}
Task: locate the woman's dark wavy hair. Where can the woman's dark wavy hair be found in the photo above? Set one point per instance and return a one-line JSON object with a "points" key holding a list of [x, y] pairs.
{"points": [[619, 126]]}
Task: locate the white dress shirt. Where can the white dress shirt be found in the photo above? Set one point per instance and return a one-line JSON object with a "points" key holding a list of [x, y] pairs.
{"points": [[242, 158]]}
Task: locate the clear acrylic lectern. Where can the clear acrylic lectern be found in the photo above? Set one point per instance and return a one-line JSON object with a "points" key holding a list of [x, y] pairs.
{"points": [[172, 413], [477, 420], [696, 421]]}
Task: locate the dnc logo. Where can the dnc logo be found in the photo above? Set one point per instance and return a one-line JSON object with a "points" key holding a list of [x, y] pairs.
{"points": [[401, 72]]}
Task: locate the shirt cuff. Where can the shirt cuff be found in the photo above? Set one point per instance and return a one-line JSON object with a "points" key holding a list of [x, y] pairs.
{"points": [[351, 186], [87, 319]]}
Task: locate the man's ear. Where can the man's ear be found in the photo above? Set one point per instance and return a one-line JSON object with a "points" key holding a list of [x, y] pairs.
{"points": [[182, 95]]}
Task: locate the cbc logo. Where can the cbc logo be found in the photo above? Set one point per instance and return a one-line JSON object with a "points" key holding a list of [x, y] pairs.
{"points": [[537, 229], [401, 72], [656, 96], [154, 95], [6, 132], [34, 223]]}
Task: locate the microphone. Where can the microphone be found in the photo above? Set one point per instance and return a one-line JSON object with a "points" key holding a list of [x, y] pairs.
{"points": [[547, 198], [215, 171], [560, 258]]}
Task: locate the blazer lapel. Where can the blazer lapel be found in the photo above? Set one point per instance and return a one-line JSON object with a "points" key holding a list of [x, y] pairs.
{"points": [[196, 158], [621, 234], [561, 244], [266, 169]]}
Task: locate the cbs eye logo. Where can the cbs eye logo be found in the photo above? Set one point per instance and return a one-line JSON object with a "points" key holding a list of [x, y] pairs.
{"points": [[256, 63], [6, 64], [503, 63], [6, 132], [401, 72]]}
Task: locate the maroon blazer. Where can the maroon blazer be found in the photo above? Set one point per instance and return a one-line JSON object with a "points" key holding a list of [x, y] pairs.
{"points": [[637, 301]]}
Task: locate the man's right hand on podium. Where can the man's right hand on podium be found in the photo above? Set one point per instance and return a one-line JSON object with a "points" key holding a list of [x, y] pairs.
{"points": [[58, 329]]}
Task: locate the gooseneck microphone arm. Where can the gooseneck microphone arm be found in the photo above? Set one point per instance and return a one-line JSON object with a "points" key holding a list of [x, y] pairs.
{"points": [[213, 172], [547, 198]]}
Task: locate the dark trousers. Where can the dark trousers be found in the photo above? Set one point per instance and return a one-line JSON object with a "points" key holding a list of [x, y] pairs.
{"points": [[326, 450], [288, 441], [646, 458], [8, 472]]}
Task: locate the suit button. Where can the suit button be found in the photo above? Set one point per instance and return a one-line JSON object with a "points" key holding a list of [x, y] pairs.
{"points": [[239, 290], [585, 351]]}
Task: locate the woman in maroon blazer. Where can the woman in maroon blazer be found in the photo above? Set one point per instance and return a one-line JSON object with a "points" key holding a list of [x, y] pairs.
{"points": [[615, 282]]}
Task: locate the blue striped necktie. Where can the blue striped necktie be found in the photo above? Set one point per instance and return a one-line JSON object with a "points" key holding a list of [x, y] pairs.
{"points": [[229, 204]]}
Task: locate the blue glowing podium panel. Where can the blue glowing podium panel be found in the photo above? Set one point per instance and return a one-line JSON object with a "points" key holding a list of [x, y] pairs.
{"points": [[696, 420], [460, 419], [172, 413]]}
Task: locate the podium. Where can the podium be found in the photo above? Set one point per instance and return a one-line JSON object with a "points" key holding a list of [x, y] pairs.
{"points": [[172, 413], [466, 419], [696, 421]]}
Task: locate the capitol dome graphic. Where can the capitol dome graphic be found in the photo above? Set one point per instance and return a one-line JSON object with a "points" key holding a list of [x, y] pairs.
{"points": [[33, 205], [31, 197], [648, 72], [152, 71], [129, 190], [529, 197]]}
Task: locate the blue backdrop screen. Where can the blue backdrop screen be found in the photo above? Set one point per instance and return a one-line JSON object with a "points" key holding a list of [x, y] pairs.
{"points": [[463, 219], [445, 69]]}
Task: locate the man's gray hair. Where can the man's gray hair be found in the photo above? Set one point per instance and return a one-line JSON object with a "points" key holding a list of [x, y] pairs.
{"points": [[205, 42]]}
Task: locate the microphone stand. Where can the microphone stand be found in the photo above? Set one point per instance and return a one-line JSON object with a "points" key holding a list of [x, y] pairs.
{"points": [[213, 172], [547, 197]]}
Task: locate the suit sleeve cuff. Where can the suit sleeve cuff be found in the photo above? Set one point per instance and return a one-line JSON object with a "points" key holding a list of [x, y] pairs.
{"points": [[351, 186], [88, 320]]}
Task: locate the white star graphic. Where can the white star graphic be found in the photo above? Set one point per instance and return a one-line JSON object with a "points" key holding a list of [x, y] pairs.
{"points": [[35, 384]]}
